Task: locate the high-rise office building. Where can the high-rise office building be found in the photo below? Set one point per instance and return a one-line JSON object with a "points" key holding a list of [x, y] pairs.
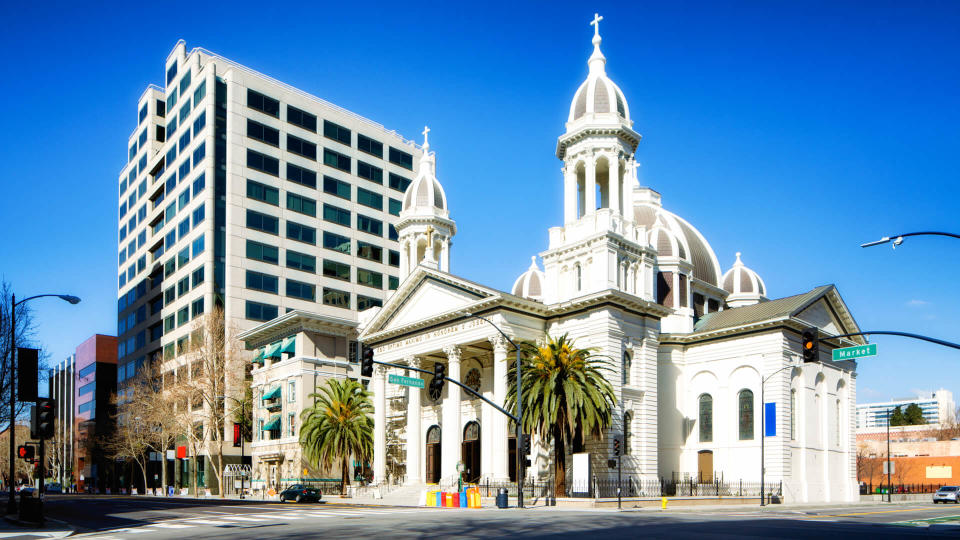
{"points": [[243, 191], [937, 406]]}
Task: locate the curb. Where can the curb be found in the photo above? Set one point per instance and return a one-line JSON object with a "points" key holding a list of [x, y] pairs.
{"points": [[31, 524]]}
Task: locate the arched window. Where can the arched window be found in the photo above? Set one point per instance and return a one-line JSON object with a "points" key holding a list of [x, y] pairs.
{"points": [[706, 418], [578, 271], [745, 414], [627, 433], [625, 368]]}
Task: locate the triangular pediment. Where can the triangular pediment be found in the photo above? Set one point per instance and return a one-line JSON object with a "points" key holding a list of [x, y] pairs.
{"points": [[425, 295], [820, 314]]}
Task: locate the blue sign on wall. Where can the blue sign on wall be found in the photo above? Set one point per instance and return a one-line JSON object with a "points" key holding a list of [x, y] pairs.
{"points": [[770, 419]]}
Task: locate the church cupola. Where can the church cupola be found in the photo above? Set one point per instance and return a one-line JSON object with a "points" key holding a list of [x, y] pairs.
{"points": [[425, 229], [530, 283], [598, 146], [744, 285]]}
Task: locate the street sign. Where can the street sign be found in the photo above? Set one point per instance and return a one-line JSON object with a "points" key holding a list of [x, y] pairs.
{"points": [[405, 381], [849, 353]]}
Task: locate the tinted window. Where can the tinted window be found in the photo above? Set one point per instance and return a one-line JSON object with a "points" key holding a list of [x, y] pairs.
{"points": [[301, 118], [262, 103], [336, 132]]}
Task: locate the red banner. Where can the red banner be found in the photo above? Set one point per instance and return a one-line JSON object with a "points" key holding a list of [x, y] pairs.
{"points": [[182, 452]]}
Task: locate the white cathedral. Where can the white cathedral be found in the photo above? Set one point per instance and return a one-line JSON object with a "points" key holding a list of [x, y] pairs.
{"points": [[699, 352]]}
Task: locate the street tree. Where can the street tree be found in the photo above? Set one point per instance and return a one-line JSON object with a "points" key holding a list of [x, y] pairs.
{"points": [[133, 437], [896, 417], [25, 337], [338, 425], [913, 415], [214, 372], [566, 397]]}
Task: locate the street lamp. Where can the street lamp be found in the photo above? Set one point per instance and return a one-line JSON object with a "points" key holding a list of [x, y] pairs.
{"points": [[897, 239], [763, 433], [11, 497], [520, 458]]}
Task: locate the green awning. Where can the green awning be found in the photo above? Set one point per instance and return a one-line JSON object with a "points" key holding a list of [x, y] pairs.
{"points": [[272, 394], [289, 345], [274, 423], [258, 358], [273, 351]]}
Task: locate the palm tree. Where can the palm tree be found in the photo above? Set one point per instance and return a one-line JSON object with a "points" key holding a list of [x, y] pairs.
{"points": [[339, 424], [565, 396]]}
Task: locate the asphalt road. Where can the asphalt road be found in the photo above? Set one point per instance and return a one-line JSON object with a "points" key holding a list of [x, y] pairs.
{"points": [[144, 518]]}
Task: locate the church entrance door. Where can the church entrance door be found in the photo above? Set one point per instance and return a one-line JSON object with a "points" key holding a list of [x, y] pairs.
{"points": [[433, 455], [705, 466], [470, 452]]}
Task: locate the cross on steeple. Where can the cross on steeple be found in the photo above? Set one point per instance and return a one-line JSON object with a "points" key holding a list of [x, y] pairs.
{"points": [[425, 131], [596, 23]]}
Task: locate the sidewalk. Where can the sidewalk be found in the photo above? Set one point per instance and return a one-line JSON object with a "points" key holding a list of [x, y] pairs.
{"points": [[10, 527]]}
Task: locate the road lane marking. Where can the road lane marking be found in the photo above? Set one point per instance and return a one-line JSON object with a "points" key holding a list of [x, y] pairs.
{"points": [[170, 525], [862, 513]]}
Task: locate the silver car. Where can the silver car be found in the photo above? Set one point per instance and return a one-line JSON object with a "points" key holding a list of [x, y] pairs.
{"points": [[947, 494]]}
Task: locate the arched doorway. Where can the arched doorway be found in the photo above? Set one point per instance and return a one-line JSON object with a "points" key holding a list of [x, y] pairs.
{"points": [[433, 455], [705, 466], [470, 452]]}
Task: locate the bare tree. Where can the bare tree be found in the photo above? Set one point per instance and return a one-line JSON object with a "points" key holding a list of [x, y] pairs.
{"points": [[949, 427], [23, 470], [132, 438], [215, 372], [26, 337]]}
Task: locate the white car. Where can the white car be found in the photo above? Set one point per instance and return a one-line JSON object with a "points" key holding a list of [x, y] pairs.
{"points": [[947, 494]]}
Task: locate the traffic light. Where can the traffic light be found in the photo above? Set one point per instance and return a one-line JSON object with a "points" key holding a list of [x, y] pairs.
{"points": [[25, 452], [525, 444], [439, 376], [46, 412], [616, 447], [809, 342], [366, 362]]}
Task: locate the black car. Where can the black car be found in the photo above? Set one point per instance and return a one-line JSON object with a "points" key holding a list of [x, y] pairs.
{"points": [[300, 493]]}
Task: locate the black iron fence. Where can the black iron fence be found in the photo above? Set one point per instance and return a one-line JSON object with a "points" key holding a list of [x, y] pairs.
{"points": [[531, 488], [678, 485], [874, 489]]}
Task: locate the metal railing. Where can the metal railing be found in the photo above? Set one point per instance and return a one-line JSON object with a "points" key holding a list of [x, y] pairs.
{"points": [[874, 489]]}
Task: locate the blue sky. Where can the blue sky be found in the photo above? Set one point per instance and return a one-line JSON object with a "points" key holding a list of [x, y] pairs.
{"points": [[790, 132]]}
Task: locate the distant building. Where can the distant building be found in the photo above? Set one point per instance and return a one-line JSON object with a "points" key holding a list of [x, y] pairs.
{"points": [[937, 406], [95, 382], [62, 390]]}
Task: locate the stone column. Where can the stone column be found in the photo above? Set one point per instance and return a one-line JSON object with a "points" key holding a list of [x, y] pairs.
{"points": [[569, 194], [452, 428], [414, 442], [591, 186], [498, 429], [613, 184], [404, 256], [379, 424], [445, 255]]}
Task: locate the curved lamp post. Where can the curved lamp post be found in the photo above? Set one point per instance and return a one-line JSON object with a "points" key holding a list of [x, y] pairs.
{"points": [[763, 432], [897, 239], [519, 406], [11, 497]]}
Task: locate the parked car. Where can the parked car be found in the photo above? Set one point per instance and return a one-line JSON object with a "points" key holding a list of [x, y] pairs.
{"points": [[947, 494], [300, 493], [54, 489]]}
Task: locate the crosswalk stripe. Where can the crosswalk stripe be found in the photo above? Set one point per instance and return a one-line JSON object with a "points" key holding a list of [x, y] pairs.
{"points": [[207, 522], [170, 525], [242, 518]]}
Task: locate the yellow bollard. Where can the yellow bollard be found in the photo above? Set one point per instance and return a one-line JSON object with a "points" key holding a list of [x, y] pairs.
{"points": [[663, 503]]}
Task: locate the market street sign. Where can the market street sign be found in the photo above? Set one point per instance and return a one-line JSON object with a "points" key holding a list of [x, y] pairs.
{"points": [[849, 353], [405, 381]]}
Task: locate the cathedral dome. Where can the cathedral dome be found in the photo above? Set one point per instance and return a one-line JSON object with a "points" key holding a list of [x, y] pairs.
{"points": [[598, 95], [673, 236], [425, 194], [530, 283], [744, 285]]}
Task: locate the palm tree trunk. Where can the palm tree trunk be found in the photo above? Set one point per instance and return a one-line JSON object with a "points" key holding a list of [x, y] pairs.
{"points": [[560, 463], [345, 475]]}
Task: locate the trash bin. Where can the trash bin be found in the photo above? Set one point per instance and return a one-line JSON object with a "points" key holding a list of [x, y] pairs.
{"points": [[502, 498], [31, 509]]}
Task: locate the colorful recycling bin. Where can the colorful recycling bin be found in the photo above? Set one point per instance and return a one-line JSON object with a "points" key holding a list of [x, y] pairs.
{"points": [[447, 500], [432, 498], [473, 498]]}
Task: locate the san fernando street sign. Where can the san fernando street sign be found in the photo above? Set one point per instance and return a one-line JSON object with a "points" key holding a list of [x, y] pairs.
{"points": [[849, 353], [405, 381]]}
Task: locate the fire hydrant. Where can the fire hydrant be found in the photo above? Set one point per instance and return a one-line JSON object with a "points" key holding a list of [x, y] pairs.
{"points": [[663, 503]]}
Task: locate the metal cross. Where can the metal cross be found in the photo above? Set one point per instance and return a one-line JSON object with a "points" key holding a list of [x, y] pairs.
{"points": [[425, 131], [596, 23]]}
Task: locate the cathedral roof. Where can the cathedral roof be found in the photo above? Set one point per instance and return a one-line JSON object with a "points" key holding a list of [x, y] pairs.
{"points": [[773, 309], [599, 97], [425, 195], [673, 236], [530, 283]]}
